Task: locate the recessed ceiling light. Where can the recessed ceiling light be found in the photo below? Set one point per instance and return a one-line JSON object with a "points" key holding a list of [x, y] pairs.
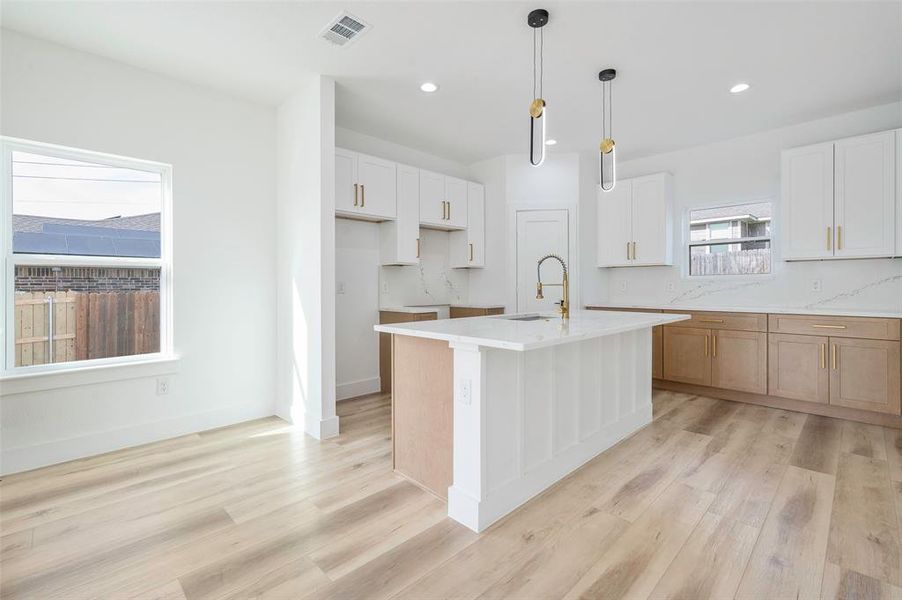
{"points": [[550, 142], [739, 88], [429, 87]]}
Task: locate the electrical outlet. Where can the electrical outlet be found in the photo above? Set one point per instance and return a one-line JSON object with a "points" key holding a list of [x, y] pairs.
{"points": [[465, 389], [384, 287], [816, 285], [622, 286], [340, 287], [670, 286], [162, 386]]}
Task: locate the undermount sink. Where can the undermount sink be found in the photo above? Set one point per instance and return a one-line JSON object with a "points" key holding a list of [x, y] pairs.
{"points": [[527, 318]]}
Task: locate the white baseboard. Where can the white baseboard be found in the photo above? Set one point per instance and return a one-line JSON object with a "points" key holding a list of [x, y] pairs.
{"points": [[323, 428], [25, 458], [362, 387]]}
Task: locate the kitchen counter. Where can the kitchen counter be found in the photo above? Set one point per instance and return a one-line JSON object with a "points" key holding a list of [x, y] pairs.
{"points": [[489, 411], [782, 310], [434, 307], [505, 333]]}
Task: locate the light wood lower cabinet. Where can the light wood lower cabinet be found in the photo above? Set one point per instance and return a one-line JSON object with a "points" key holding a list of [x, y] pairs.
{"points": [[865, 374], [797, 367], [387, 317], [739, 361], [657, 352], [687, 355], [462, 312]]}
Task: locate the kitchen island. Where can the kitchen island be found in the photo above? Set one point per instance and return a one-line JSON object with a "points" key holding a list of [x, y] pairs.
{"points": [[489, 411]]}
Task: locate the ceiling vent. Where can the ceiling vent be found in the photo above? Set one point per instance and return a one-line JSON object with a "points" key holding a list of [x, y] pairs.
{"points": [[344, 29]]}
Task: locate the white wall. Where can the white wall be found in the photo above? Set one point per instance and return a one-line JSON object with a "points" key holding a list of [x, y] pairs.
{"points": [[738, 170], [306, 257], [222, 152]]}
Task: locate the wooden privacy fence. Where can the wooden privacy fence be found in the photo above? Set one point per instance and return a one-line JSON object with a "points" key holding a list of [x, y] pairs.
{"points": [[724, 263], [66, 326]]}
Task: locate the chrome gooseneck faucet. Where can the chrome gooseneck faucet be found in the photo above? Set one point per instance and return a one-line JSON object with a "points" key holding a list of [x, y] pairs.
{"points": [[565, 284]]}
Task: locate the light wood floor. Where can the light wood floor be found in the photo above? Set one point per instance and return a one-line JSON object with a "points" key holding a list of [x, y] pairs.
{"points": [[712, 500]]}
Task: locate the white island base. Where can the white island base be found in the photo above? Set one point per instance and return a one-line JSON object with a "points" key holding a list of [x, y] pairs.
{"points": [[527, 414]]}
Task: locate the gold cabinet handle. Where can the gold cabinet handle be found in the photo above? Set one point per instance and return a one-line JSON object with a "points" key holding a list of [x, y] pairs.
{"points": [[362, 195], [471, 252], [706, 344], [714, 345], [839, 237], [834, 357], [449, 210], [829, 326], [710, 320], [356, 187], [627, 251], [634, 250], [824, 355], [444, 209], [829, 238], [418, 247]]}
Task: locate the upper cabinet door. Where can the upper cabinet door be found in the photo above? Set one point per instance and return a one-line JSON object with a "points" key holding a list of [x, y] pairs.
{"points": [[377, 179], [614, 210], [456, 196], [899, 192], [807, 202], [432, 198], [399, 239], [476, 224], [652, 220], [346, 189], [865, 181]]}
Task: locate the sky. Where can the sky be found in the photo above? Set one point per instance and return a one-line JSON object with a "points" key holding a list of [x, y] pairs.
{"points": [[48, 186]]}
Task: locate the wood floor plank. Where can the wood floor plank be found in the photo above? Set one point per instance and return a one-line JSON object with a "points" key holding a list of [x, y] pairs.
{"points": [[711, 563], [817, 448], [864, 531], [845, 584], [633, 566], [893, 447], [788, 559], [863, 439]]}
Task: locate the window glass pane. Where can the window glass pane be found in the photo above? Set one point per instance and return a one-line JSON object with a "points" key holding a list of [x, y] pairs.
{"points": [[730, 259], [64, 314], [730, 222], [63, 206]]}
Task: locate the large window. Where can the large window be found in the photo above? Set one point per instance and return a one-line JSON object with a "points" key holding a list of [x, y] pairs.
{"points": [[86, 240], [730, 240]]}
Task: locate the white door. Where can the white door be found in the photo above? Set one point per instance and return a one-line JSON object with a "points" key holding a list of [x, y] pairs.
{"points": [[456, 196], [377, 179], [899, 192], [432, 198], [807, 201], [652, 221], [865, 196], [539, 233], [345, 180], [476, 224], [614, 234]]}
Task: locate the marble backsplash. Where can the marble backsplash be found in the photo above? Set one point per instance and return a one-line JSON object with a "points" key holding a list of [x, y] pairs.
{"points": [[430, 282]]}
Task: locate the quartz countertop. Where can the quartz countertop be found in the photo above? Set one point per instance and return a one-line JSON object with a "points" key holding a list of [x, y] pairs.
{"points": [[433, 307], [500, 331], [782, 310]]}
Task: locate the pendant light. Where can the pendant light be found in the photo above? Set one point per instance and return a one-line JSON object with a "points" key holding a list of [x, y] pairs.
{"points": [[538, 111], [607, 153]]}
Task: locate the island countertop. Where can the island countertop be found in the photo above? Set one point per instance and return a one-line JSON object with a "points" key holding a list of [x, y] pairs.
{"points": [[508, 333]]}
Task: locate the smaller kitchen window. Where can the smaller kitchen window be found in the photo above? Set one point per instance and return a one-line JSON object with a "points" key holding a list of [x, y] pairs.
{"points": [[731, 240]]}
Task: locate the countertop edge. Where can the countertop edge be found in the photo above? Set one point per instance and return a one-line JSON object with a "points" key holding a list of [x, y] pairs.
{"points": [[817, 312]]}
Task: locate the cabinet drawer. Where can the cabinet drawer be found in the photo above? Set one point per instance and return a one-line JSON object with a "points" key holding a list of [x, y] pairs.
{"points": [[722, 320], [847, 327]]}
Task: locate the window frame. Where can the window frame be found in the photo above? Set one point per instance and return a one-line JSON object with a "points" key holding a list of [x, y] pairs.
{"points": [[7, 361], [688, 244]]}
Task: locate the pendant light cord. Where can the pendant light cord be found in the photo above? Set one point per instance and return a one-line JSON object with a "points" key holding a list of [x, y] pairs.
{"points": [[538, 66]]}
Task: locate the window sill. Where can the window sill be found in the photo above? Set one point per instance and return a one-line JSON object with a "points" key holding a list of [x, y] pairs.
{"points": [[40, 380]]}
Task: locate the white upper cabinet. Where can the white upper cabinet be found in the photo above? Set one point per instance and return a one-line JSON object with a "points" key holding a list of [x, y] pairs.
{"points": [[443, 201], [467, 247], [432, 198], [365, 186], [456, 197], [839, 199], [899, 192], [807, 202], [635, 222], [400, 239]]}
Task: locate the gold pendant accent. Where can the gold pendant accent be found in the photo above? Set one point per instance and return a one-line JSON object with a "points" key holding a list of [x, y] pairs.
{"points": [[606, 145], [536, 108]]}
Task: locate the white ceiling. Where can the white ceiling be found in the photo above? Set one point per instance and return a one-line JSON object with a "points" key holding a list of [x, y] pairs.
{"points": [[675, 62]]}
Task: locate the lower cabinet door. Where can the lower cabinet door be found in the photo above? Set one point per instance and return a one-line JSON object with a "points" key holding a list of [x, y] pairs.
{"points": [[657, 352], [687, 355], [739, 361], [797, 367], [865, 374]]}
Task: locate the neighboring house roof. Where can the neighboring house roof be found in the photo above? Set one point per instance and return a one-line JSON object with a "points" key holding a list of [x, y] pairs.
{"points": [[135, 236], [759, 211]]}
